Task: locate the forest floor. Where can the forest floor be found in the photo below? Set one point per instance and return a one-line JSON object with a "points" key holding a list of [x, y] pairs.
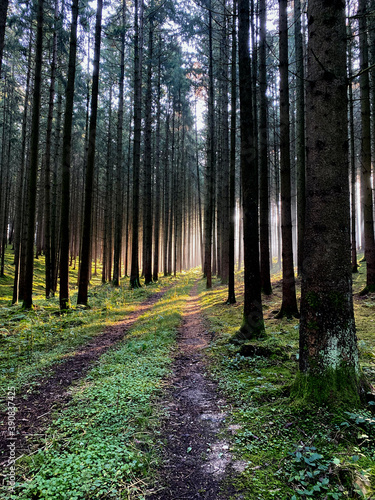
{"points": [[141, 396], [52, 392], [196, 458]]}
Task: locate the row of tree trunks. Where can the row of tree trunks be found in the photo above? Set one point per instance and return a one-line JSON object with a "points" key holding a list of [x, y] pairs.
{"points": [[66, 159], [253, 324], [33, 166], [85, 258]]}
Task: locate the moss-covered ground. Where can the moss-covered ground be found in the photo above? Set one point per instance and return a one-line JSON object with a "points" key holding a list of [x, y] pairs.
{"points": [[292, 451], [31, 342], [103, 443]]}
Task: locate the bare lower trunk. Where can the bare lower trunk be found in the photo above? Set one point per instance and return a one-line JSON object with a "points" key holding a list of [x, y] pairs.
{"points": [[289, 302], [66, 153], [253, 324], [329, 369]]}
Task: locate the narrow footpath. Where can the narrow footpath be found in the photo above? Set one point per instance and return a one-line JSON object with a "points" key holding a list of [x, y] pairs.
{"points": [[197, 458], [34, 413]]}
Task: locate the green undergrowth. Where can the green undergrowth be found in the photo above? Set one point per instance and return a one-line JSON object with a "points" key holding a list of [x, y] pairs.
{"points": [[291, 451], [104, 443], [31, 342]]}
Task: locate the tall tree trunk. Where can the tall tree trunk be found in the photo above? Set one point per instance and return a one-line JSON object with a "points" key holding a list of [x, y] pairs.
{"points": [[209, 207], [289, 302], [329, 368], [367, 195], [232, 178], [128, 162], [155, 273], [300, 134], [56, 196], [47, 172], [166, 199], [33, 167], [21, 184], [252, 324], [138, 30], [353, 169], [200, 226], [119, 160], [225, 161], [107, 236], [3, 19], [147, 195], [84, 274], [66, 158], [264, 215]]}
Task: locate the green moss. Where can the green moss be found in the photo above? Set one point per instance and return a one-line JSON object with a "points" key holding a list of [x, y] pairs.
{"points": [[312, 325], [368, 289], [337, 300], [249, 330], [106, 440], [332, 388], [313, 300]]}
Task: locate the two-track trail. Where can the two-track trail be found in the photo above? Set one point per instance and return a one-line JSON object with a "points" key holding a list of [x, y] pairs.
{"points": [[34, 413], [197, 459]]}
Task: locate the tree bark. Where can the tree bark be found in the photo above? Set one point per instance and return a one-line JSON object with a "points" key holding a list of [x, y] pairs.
{"points": [[329, 369], [252, 324], [138, 30], [300, 134], [3, 19], [263, 157], [232, 176], [352, 164], [147, 195], [47, 179], [107, 236], [208, 219], [119, 159], [367, 195], [289, 301], [21, 185], [166, 190], [155, 272]]}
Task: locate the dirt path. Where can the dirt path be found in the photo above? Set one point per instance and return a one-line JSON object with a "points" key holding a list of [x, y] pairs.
{"points": [[34, 413], [197, 458]]}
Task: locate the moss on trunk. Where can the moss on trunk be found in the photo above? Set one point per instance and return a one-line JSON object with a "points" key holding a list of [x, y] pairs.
{"points": [[251, 328], [342, 386]]}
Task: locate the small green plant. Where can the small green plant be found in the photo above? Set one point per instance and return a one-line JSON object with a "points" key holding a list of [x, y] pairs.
{"points": [[312, 475]]}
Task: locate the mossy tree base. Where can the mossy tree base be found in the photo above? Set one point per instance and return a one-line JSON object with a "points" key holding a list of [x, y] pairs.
{"points": [[333, 388], [287, 312], [267, 290], [135, 283], [367, 289], [249, 331], [65, 305]]}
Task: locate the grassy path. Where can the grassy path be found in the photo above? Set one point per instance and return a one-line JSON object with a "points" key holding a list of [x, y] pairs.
{"points": [[34, 411], [196, 452], [101, 442]]}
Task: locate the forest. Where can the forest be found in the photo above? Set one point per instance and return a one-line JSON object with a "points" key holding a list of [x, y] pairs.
{"points": [[187, 249]]}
